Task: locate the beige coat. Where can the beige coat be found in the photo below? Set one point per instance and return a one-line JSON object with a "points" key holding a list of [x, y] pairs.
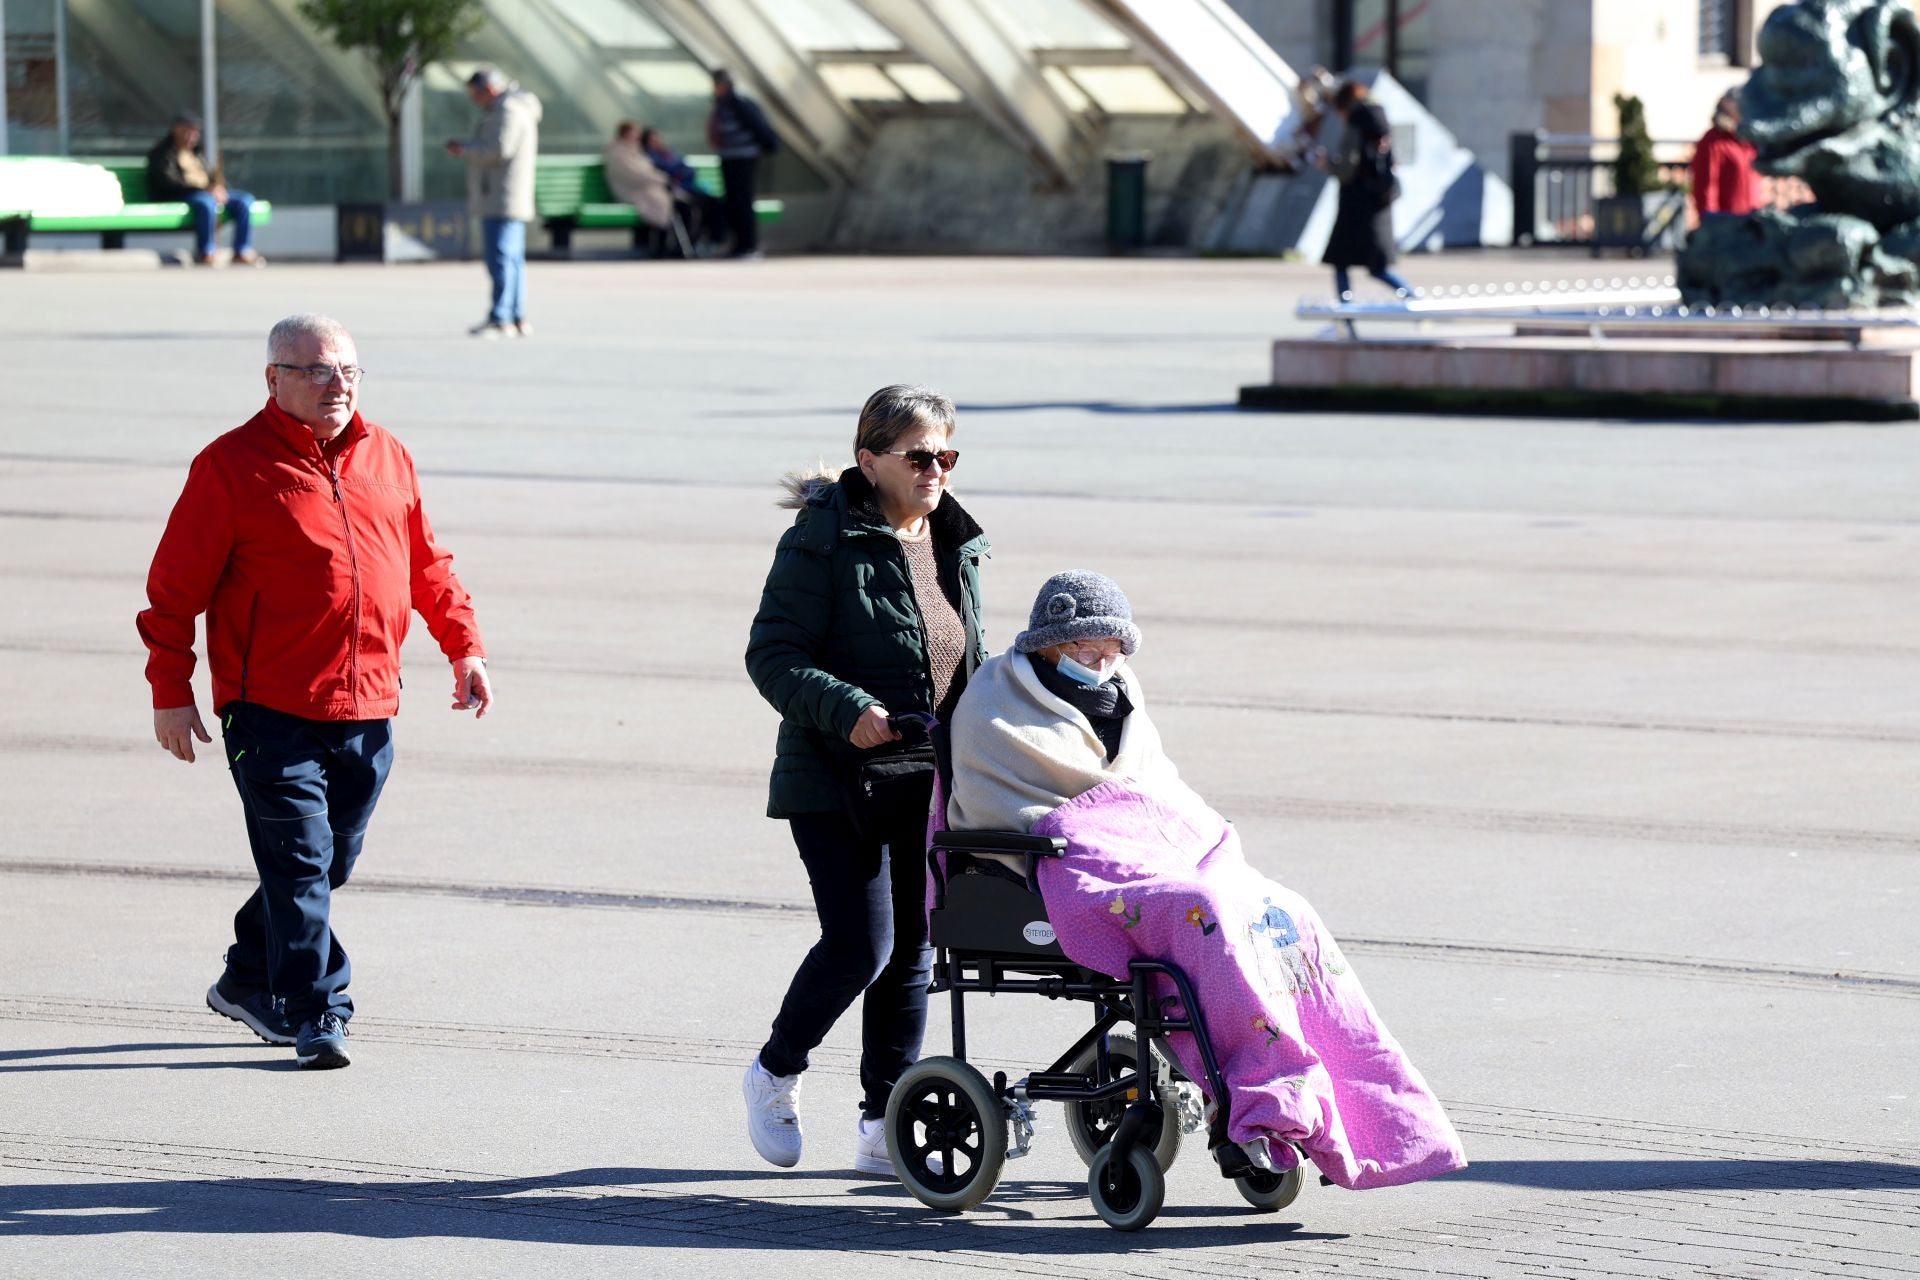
{"points": [[1018, 751], [638, 181], [500, 158]]}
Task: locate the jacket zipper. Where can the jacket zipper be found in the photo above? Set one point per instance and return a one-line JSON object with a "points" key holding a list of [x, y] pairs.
{"points": [[353, 566]]}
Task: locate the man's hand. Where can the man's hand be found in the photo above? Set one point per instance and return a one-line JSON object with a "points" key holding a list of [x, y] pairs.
{"points": [[471, 688], [219, 194], [176, 727], [870, 730], [454, 148]]}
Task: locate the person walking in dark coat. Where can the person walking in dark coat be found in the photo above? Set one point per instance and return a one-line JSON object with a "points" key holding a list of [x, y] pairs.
{"points": [[872, 607], [1363, 222], [738, 130]]}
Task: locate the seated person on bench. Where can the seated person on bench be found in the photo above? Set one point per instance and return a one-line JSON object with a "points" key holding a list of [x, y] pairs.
{"points": [[706, 215], [633, 177], [176, 170], [1052, 737]]}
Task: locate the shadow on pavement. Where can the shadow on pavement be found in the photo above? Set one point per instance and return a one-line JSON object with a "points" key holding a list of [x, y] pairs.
{"points": [[639, 1207], [1012, 406], [1683, 1175], [282, 1059]]}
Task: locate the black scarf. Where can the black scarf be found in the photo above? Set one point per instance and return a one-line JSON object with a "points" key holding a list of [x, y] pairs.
{"points": [[1106, 706]]}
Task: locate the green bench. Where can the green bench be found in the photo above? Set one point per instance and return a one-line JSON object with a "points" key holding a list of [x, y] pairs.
{"points": [[136, 212], [570, 193]]}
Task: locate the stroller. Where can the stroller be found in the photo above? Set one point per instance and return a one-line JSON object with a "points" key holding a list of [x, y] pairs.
{"points": [[1127, 1105]]}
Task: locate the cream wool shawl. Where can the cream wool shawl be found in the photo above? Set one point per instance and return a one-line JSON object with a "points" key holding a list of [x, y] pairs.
{"points": [[1018, 751]]}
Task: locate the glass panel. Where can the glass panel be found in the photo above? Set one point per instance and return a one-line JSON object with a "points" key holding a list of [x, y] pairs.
{"points": [[1070, 93], [1369, 32], [301, 121], [860, 82], [658, 78], [32, 122], [1056, 24], [828, 24], [1129, 90], [1414, 62], [615, 24], [923, 83]]}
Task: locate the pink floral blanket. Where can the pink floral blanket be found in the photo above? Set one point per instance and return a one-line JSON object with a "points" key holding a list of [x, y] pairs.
{"points": [[1156, 874]]}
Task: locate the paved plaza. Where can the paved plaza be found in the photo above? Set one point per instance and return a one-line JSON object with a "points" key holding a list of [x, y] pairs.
{"points": [[1594, 741]]}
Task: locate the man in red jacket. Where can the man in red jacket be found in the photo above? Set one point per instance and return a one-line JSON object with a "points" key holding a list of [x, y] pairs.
{"points": [[301, 536]]}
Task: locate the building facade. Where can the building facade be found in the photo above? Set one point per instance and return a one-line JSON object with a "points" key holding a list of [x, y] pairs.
{"points": [[1490, 68]]}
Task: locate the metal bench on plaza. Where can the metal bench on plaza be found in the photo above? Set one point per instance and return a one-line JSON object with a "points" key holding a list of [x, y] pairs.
{"points": [[42, 190]]}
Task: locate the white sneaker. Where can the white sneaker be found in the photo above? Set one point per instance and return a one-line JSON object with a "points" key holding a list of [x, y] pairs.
{"points": [[772, 1120], [870, 1148]]}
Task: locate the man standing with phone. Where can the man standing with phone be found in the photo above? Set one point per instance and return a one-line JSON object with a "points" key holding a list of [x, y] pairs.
{"points": [[301, 536]]}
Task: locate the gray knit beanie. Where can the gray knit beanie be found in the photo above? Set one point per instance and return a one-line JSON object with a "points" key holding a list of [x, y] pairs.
{"points": [[1079, 605]]}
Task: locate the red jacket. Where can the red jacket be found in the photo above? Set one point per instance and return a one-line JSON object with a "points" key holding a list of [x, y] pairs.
{"points": [[308, 564], [1723, 176]]}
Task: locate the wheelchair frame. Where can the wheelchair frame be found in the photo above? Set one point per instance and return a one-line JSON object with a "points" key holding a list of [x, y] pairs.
{"points": [[1125, 1180]]}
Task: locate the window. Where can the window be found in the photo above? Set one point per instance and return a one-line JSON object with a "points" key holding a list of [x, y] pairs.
{"points": [[1393, 34], [1726, 32]]}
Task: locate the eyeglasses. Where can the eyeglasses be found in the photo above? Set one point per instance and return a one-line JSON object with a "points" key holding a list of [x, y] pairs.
{"points": [[923, 459], [321, 375]]}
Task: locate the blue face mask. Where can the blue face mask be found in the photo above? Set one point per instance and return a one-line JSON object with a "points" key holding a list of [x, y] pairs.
{"points": [[1083, 674]]}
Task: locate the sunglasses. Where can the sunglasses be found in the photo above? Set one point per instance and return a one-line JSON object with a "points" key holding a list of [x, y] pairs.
{"points": [[923, 459]]}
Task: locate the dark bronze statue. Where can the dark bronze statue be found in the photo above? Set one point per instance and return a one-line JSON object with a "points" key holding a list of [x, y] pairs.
{"points": [[1835, 103]]}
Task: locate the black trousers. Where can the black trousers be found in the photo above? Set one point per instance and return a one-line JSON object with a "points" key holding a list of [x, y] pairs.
{"points": [[308, 788], [741, 177], [870, 893]]}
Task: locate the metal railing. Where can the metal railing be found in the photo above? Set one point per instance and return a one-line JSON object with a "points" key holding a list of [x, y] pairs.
{"points": [[1643, 305], [1556, 177]]}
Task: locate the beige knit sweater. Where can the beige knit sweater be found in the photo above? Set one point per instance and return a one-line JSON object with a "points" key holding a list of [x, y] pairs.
{"points": [[1018, 751]]}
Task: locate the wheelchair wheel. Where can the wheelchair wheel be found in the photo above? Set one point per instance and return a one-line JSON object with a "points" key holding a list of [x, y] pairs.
{"points": [[1127, 1197], [1271, 1192], [1090, 1125], [947, 1134]]}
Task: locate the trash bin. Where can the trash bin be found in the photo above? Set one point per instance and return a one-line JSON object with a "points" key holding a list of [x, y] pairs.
{"points": [[1126, 202]]}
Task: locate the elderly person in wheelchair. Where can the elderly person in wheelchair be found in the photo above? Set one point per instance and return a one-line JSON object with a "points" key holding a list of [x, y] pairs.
{"points": [[1052, 738]]}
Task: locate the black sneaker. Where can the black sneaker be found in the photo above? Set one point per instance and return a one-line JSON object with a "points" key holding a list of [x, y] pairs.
{"points": [[254, 1009], [322, 1043]]}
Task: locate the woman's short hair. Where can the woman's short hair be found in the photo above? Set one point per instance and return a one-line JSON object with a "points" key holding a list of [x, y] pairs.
{"points": [[893, 412], [1349, 92]]}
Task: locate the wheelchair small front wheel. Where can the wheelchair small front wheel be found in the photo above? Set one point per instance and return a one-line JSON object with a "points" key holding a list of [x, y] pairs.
{"points": [[946, 1134], [1272, 1192], [1090, 1125], [1127, 1195]]}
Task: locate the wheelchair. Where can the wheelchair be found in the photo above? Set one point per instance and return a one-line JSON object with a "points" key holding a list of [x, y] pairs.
{"points": [[1126, 1103]]}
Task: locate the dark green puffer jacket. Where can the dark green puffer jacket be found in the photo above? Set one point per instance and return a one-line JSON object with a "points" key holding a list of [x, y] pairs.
{"points": [[838, 631]]}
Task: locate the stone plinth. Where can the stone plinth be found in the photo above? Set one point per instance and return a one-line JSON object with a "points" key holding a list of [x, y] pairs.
{"points": [[1773, 379]]}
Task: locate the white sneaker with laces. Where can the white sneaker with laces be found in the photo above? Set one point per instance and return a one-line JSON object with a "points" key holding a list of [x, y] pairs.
{"points": [[870, 1148], [773, 1120]]}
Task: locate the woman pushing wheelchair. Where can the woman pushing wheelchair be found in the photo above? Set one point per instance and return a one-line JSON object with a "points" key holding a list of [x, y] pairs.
{"points": [[1052, 737], [872, 608]]}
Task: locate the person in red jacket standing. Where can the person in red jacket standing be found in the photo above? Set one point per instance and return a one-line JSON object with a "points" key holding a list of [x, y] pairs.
{"points": [[1723, 176], [301, 536]]}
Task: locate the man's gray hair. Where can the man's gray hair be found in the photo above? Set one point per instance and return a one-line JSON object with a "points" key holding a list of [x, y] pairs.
{"points": [[305, 325]]}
